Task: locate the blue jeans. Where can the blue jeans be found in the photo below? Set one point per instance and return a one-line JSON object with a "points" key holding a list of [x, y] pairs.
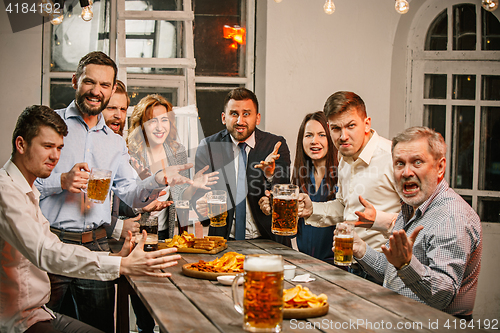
{"points": [[92, 301]]}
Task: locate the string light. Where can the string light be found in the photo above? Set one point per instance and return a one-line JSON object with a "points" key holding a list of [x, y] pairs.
{"points": [[87, 13], [402, 6], [489, 5], [329, 7], [278, 1]]}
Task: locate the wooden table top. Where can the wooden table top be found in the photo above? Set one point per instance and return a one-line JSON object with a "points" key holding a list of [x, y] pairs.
{"points": [[184, 304]]}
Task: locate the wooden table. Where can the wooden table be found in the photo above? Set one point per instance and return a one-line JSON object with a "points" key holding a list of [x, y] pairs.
{"points": [[184, 304]]}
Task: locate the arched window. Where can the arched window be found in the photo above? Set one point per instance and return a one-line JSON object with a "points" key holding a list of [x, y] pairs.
{"points": [[455, 89]]}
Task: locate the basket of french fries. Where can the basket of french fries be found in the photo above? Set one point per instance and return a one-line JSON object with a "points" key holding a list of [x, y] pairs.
{"points": [[299, 303], [230, 263]]}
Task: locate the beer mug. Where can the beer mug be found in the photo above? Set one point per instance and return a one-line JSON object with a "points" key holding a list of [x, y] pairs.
{"points": [[217, 208], [285, 208], [150, 224], [182, 209], [344, 240], [98, 185], [262, 308]]}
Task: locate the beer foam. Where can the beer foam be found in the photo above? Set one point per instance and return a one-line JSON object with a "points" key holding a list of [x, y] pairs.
{"points": [[344, 236], [283, 197], [263, 264]]}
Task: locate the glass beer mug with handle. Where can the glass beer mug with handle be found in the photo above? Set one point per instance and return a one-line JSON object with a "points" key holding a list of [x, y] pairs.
{"points": [[98, 185], [344, 240], [285, 208], [262, 308]]}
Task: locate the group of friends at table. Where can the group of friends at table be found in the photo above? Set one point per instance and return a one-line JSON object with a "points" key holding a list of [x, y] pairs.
{"points": [[413, 235]]}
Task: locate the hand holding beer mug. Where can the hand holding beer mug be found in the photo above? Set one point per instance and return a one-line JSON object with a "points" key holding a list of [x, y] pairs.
{"points": [[98, 185], [285, 209], [262, 308], [217, 208], [344, 240]]}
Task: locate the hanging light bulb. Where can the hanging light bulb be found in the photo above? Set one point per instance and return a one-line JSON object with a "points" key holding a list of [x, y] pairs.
{"points": [[278, 1], [402, 6], [329, 7], [490, 5], [55, 19], [87, 13]]}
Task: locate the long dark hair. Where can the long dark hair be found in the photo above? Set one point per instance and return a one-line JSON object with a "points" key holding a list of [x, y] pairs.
{"points": [[303, 163]]}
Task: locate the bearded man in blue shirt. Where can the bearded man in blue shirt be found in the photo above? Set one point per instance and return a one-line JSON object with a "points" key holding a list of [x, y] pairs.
{"points": [[73, 218]]}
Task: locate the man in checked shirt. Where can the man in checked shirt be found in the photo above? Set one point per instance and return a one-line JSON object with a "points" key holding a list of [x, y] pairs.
{"points": [[439, 263]]}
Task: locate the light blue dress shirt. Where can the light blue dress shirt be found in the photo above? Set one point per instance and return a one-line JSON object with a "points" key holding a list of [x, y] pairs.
{"points": [[100, 148]]}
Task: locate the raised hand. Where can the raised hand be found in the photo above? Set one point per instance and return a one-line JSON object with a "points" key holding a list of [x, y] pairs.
{"points": [[170, 175], [269, 164], [131, 225], [367, 217], [401, 247], [202, 180]]}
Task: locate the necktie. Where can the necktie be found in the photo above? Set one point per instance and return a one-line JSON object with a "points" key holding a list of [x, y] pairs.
{"points": [[241, 193]]}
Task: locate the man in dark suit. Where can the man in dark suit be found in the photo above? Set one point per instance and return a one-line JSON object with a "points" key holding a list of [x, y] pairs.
{"points": [[267, 160]]}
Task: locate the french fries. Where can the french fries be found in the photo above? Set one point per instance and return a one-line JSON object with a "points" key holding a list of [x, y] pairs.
{"points": [[230, 262], [300, 297]]}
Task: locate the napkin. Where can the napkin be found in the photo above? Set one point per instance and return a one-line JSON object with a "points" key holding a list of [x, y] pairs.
{"points": [[303, 278]]}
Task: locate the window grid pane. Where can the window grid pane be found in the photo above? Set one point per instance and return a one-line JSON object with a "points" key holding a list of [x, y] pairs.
{"points": [[435, 118], [490, 88], [437, 35], [489, 171], [435, 86], [489, 209], [153, 5], [464, 87], [462, 147], [464, 27], [490, 30]]}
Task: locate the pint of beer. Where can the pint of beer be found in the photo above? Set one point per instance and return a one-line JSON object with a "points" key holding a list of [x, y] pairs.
{"points": [[262, 293], [217, 208], [285, 209], [98, 185], [344, 240], [150, 224], [182, 209]]}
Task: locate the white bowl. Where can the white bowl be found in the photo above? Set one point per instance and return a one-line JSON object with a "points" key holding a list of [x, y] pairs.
{"points": [[227, 280]]}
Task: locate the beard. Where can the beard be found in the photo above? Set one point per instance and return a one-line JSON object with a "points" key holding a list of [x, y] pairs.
{"points": [[84, 108]]}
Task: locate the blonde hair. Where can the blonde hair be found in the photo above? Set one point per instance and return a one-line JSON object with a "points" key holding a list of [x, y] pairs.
{"points": [[143, 112]]}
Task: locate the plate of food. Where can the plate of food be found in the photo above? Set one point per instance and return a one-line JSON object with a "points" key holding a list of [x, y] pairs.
{"points": [[187, 243], [231, 263], [300, 303]]}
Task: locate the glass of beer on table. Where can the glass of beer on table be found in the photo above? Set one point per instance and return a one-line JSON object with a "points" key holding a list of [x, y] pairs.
{"points": [[285, 209], [262, 308], [150, 224], [182, 209], [344, 239], [98, 185], [217, 208]]}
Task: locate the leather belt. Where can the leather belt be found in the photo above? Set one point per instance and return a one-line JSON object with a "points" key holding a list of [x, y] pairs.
{"points": [[80, 237]]}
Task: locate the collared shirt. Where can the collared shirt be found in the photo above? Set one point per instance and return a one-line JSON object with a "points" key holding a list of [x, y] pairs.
{"points": [[371, 175], [29, 250], [100, 148], [251, 230], [444, 268]]}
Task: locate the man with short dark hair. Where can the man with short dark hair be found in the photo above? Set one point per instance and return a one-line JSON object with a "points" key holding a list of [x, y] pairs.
{"points": [[439, 263], [73, 218], [28, 250], [248, 159], [365, 172]]}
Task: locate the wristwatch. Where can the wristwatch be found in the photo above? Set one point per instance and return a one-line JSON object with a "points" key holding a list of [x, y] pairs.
{"points": [[404, 265]]}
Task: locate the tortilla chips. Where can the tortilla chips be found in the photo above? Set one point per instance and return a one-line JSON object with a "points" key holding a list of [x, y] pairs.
{"points": [[230, 262], [300, 297]]}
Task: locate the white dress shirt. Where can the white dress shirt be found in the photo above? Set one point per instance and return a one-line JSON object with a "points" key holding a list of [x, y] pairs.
{"points": [[29, 250], [371, 175], [251, 230]]}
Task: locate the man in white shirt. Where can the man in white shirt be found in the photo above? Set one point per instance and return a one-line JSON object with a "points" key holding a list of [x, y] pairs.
{"points": [[365, 172], [28, 249]]}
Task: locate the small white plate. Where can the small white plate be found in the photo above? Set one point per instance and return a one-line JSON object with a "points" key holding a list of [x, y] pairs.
{"points": [[227, 280]]}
